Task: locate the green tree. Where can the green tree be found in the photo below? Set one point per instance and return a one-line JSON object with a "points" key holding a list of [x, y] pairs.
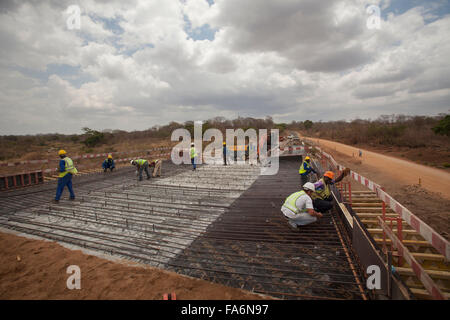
{"points": [[93, 137], [443, 127], [308, 124]]}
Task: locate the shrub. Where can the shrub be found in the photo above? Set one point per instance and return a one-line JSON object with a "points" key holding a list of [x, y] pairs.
{"points": [[93, 137]]}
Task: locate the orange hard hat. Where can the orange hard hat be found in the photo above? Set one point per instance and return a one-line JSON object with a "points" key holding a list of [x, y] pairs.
{"points": [[329, 174]]}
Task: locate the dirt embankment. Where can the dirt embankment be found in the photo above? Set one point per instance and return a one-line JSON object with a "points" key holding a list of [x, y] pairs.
{"points": [[430, 201], [36, 269]]}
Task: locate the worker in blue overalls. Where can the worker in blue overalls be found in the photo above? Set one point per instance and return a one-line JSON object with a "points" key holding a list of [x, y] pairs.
{"points": [[66, 170], [108, 164], [304, 170]]}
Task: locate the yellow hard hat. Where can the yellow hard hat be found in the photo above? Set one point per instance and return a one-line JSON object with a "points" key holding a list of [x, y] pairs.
{"points": [[307, 158], [109, 156], [224, 142], [61, 152]]}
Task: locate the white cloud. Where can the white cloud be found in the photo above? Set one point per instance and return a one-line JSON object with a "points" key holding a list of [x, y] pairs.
{"points": [[291, 59]]}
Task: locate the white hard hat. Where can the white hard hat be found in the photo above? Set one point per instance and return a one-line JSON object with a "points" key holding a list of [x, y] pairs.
{"points": [[131, 161], [309, 186], [192, 144]]}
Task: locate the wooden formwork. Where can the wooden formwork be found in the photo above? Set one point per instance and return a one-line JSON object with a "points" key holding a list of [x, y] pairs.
{"points": [[376, 217]]}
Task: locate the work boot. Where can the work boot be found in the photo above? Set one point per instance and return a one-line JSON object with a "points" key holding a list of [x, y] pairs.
{"points": [[293, 226], [71, 199], [55, 201], [148, 178]]}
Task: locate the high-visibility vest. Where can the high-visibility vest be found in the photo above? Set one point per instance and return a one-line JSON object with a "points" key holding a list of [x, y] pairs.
{"points": [[322, 194], [68, 167], [141, 162], [302, 168], [290, 202], [193, 153]]}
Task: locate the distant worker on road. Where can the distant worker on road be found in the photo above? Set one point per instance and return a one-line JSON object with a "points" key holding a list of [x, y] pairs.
{"points": [[193, 154], [141, 165], [156, 164], [66, 170], [298, 207], [108, 164], [322, 199], [305, 169]]}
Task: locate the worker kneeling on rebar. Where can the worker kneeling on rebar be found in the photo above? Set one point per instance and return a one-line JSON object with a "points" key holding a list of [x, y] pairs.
{"points": [[322, 199], [298, 207], [108, 164], [141, 165]]}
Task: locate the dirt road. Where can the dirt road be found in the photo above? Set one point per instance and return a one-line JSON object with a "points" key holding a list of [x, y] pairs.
{"points": [[405, 172]]}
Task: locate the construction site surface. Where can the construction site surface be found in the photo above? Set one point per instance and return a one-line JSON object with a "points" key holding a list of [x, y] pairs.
{"points": [[222, 228]]}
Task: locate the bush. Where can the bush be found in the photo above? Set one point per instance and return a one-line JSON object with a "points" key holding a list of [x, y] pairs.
{"points": [[443, 127], [93, 137]]}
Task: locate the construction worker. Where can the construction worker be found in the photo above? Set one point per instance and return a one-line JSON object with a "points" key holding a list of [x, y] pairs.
{"points": [[224, 153], [108, 164], [322, 199], [156, 164], [66, 170], [193, 154], [305, 169], [141, 165], [298, 207]]}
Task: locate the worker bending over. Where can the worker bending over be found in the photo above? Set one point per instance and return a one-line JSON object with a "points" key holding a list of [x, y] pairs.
{"points": [[322, 199], [304, 170], [141, 165], [108, 164], [66, 170], [298, 207], [156, 165]]}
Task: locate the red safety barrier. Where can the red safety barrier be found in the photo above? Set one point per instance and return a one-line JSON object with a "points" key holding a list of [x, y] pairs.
{"points": [[23, 179], [170, 296]]}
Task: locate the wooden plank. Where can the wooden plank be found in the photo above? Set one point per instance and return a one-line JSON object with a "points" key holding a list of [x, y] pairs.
{"points": [[408, 242], [347, 214], [376, 230], [433, 273], [423, 294]]}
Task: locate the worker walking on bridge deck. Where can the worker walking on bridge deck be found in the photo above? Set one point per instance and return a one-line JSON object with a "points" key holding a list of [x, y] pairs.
{"points": [[322, 199], [66, 170], [305, 169], [193, 154], [298, 207], [141, 165]]}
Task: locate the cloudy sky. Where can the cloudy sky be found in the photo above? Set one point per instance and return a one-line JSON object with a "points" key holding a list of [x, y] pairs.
{"points": [[134, 64]]}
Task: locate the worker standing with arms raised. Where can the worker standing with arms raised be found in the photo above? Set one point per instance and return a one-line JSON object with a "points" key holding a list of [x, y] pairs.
{"points": [[193, 154], [141, 165], [298, 207], [108, 164], [305, 169], [66, 170], [322, 199]]}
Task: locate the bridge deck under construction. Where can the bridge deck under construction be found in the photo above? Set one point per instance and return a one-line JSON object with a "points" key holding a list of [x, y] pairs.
{"points": [[219, 223]]}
